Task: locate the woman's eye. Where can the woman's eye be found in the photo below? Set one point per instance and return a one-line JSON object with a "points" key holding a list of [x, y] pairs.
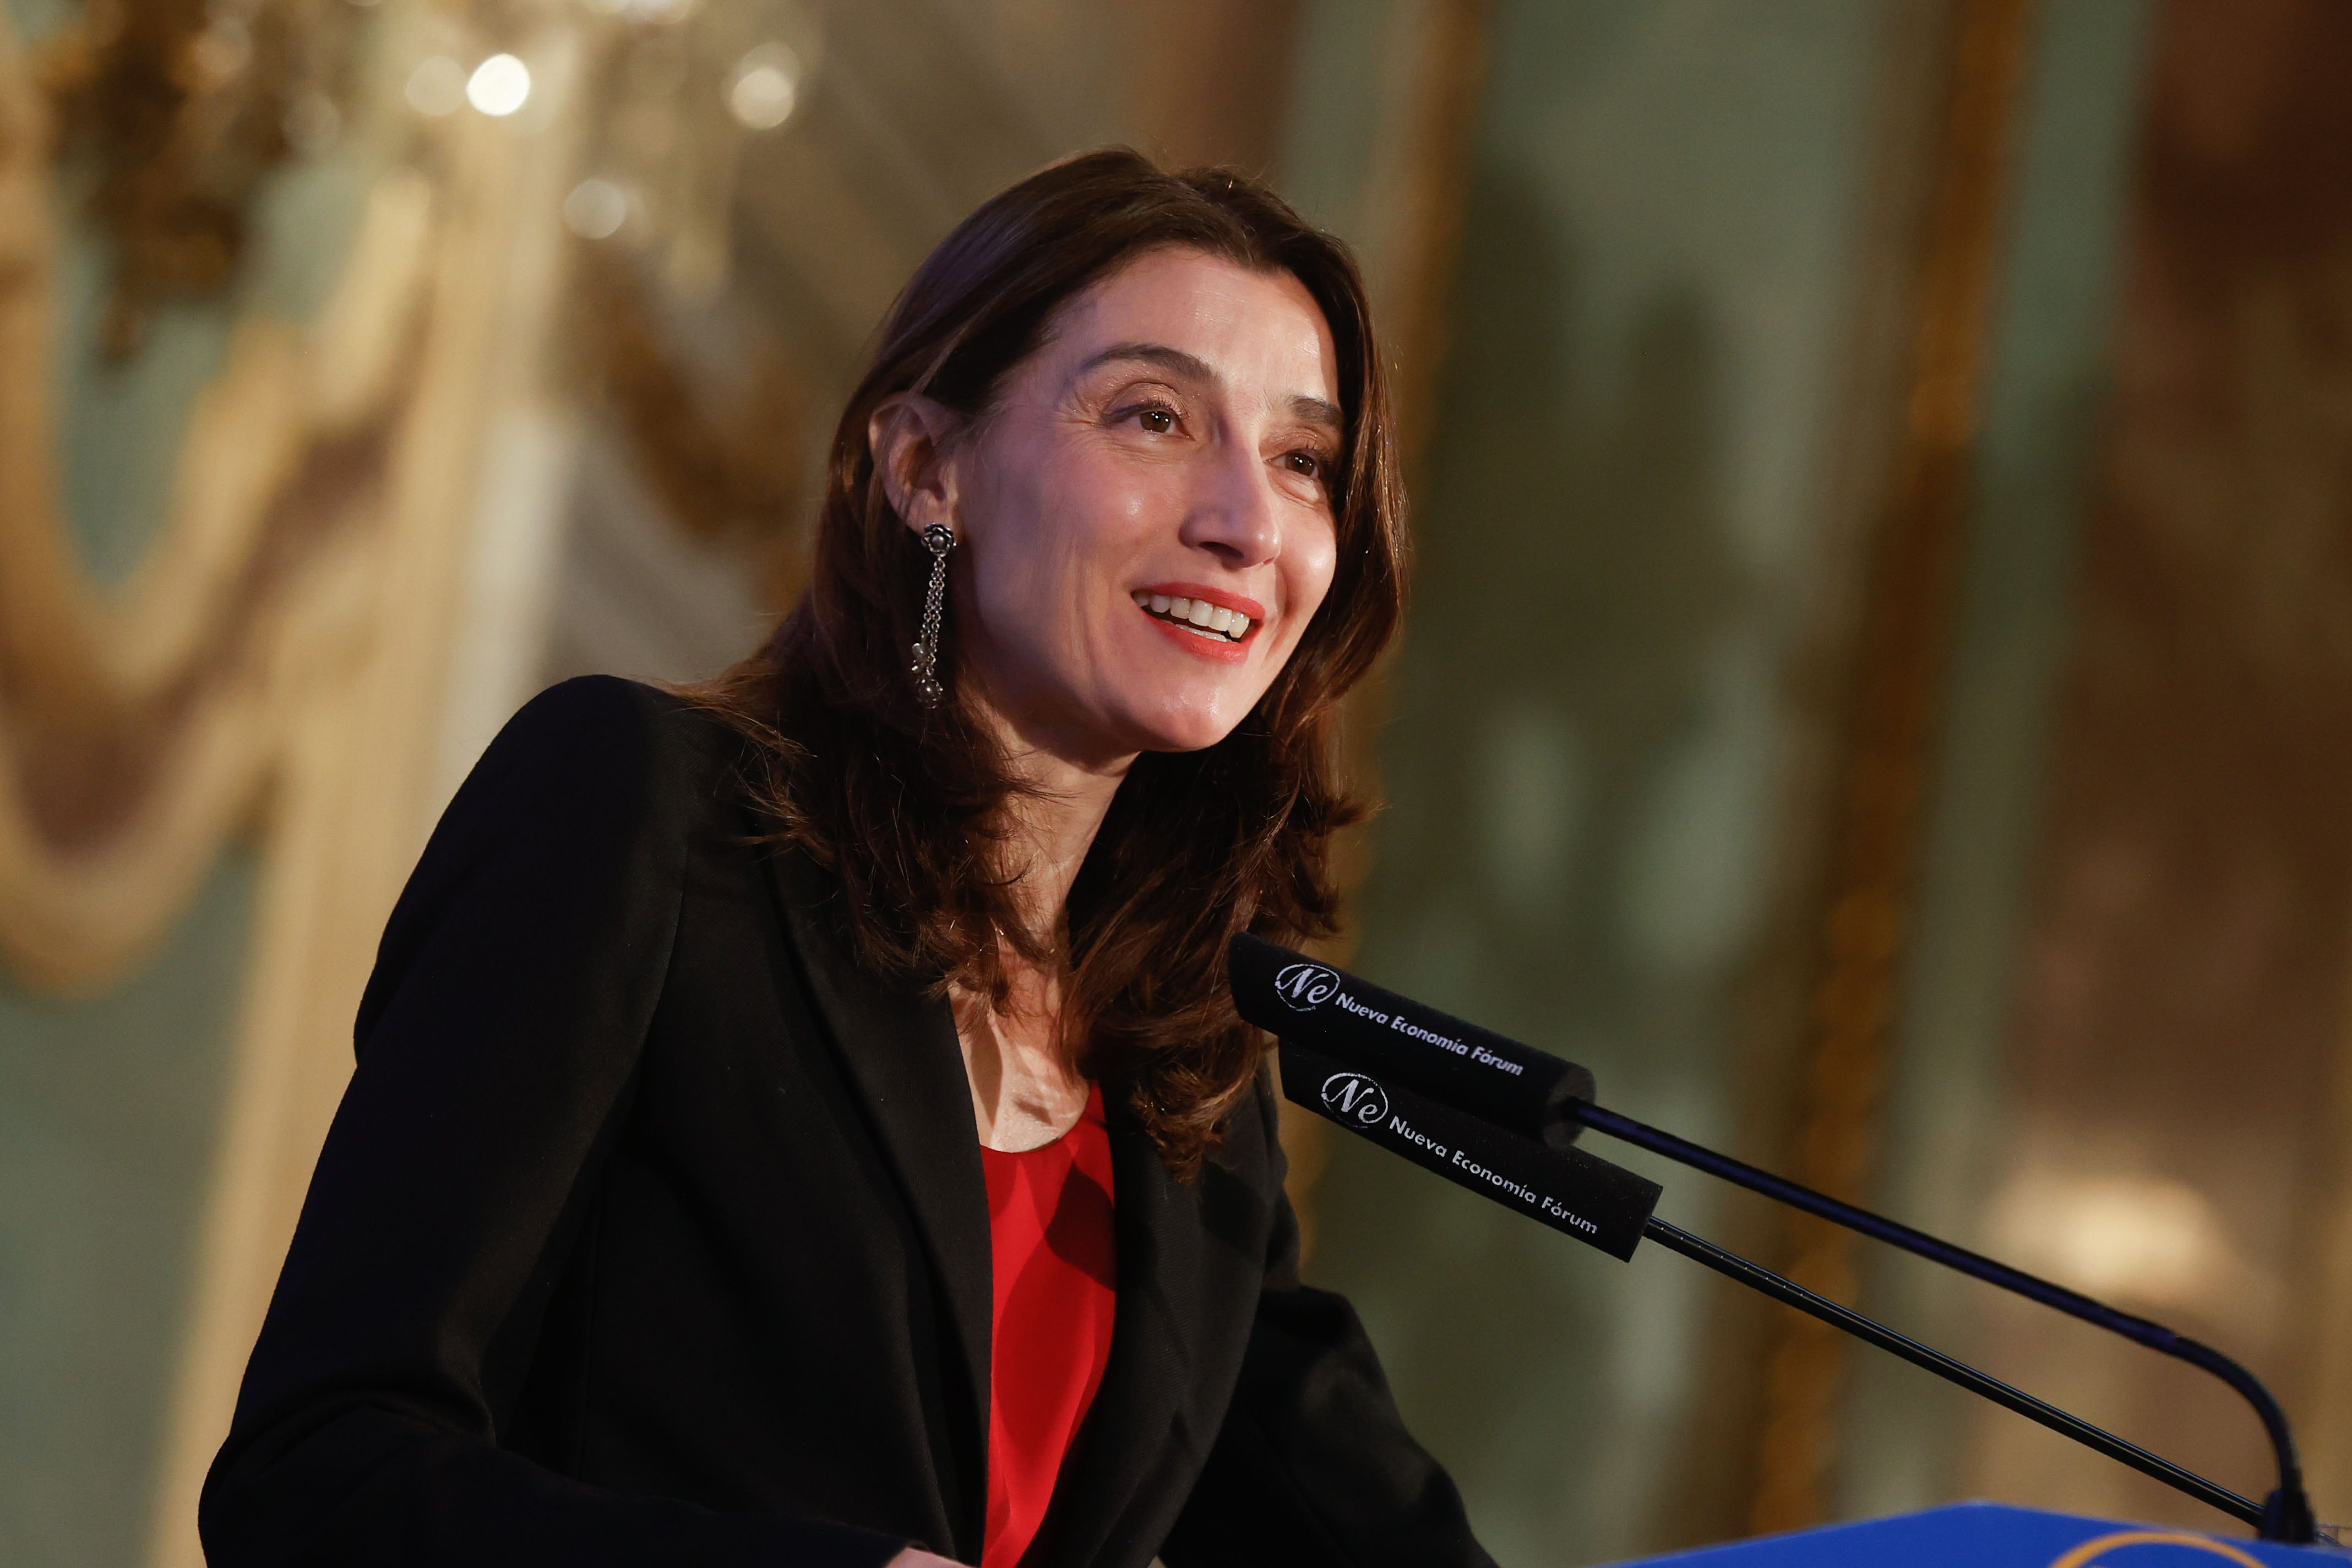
{"points": [[1159, 421], [1310, 464]]}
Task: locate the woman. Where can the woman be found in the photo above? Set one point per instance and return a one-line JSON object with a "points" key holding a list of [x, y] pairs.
{"points": [[803, 1123]]}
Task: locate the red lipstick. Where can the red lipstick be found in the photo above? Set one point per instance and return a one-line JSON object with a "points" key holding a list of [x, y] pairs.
{"points": [[1207, 644], [1231, 601]]}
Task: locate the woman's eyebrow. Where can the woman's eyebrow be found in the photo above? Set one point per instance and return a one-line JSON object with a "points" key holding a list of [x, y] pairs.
{"points": [[1317, 411], [1176, 361]]}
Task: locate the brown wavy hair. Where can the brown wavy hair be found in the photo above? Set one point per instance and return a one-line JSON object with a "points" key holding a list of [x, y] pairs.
{"points": [[906, 807]]}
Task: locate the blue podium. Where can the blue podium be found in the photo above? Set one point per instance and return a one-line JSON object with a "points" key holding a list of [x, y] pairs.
{"points": [[1989, 1535]]}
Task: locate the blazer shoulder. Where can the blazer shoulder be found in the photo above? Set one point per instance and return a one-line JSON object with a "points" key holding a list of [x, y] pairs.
{"points": [[605, 725], [590, 792], [598, 754]]}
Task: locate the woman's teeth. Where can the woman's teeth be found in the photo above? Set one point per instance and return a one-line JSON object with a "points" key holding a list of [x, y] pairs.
{"points": [[1199, 615]]}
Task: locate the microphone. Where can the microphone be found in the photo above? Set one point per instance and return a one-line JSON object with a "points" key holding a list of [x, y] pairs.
{"points": [[1514, 1086], [1499, 1118], [1576, 1193]]}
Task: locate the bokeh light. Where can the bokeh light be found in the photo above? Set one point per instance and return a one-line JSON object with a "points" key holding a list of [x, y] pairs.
{"points": [[597, 210], [500, 86], [436, 86], [765, 87]]}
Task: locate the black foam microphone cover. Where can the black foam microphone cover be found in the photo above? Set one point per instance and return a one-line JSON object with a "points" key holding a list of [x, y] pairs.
{"points": [[1598, 1203], [1515, 1087]]}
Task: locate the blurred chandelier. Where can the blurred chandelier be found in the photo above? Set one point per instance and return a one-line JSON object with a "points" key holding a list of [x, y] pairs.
{"points": [[171, 114]]}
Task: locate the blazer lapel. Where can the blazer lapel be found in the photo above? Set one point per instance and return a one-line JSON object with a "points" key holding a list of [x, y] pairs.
{"points": [[902, 1051], [1134, 1417]]}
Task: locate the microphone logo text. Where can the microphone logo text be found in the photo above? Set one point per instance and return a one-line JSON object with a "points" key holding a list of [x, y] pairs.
{"points": [[1353, 1097], [1306, 986]]}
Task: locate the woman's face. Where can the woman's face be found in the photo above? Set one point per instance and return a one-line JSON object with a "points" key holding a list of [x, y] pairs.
{"points": [[1145, 513]]}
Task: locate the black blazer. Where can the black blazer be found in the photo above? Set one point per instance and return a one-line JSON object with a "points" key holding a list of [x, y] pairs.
{"points": [[652, 1229]]}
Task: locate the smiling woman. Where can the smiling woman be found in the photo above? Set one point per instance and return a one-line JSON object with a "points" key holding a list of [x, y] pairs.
{"points": [[803, 1121], [1113, 387]]}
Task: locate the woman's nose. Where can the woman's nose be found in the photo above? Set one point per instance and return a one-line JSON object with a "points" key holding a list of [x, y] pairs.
{"points": [[1236, 514]]}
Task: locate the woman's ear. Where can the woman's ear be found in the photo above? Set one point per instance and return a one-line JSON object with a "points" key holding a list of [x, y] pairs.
{"points": [[911, 437]]}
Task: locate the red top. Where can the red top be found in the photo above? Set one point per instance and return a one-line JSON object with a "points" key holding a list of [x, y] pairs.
{"points": [[1049, 1228]]}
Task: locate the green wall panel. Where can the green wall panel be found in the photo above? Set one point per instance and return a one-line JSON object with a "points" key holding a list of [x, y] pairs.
{"points": [[1619, 531], [110, 1107]]}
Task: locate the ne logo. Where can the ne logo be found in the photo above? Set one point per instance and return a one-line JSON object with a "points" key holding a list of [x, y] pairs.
{"points": [[1305, 985], [1353, 1097]]}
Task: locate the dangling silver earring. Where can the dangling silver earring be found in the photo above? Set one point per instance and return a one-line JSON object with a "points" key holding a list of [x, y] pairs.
{"points": [[939, 539]]}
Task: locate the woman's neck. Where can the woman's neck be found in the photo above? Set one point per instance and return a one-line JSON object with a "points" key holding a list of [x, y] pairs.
{"points": [[1026, 1091], [1051, 819]]}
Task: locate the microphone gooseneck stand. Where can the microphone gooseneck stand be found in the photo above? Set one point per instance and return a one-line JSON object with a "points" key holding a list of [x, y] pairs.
{"points": [[1500, 1118], [1782, 1289], [2285, 1515]]}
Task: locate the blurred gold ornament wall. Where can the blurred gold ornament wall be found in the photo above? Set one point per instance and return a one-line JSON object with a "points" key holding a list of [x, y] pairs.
{"points": [[365, 364], [276, 660]]}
